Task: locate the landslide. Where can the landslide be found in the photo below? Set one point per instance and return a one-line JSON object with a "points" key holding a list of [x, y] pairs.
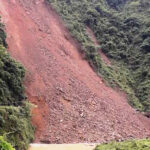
{"points": [[73, 103]]}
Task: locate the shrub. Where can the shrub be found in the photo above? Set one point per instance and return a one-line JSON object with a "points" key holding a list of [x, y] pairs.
{"points": [[15, 125], [4, 145], [127, 145]]}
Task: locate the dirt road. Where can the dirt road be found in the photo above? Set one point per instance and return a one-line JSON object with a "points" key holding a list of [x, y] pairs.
{"points": [[73, 103], [62, 147]]}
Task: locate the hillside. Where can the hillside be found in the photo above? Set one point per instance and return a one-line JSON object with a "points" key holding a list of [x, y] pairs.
{"points": [[122, 30], [73, 103], [81, 86]]}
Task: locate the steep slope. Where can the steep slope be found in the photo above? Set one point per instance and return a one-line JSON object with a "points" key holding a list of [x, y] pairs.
{"points": [[73, 103], [122, 35]]}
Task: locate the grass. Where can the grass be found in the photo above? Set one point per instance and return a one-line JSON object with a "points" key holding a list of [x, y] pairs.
{"points": [[126, 145]]}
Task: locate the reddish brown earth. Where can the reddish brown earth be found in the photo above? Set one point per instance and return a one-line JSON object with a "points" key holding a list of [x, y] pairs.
{"points": [[74, 105]]}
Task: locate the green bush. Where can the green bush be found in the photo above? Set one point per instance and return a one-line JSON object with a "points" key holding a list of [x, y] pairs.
{"points": [[4, 145], [127, 145], [15, 125], [11, 78]]}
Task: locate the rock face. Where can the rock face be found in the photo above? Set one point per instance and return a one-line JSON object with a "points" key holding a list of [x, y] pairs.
{"points": [[73, 103]]}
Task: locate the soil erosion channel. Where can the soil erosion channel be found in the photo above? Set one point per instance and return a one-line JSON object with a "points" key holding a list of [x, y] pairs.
{"points": [[73, 103]]}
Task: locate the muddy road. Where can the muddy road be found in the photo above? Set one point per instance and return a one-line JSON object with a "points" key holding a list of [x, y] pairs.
{"points": [[73, 103]]}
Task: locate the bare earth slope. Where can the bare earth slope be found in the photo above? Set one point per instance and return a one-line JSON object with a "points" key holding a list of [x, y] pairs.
{"points": [[74, 105]]}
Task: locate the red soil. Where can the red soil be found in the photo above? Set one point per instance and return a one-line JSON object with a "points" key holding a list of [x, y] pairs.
{"points": [[73, 104]]}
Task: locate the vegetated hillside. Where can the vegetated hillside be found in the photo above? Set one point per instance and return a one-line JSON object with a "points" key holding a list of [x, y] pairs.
{"points": [[15, 125], [122, 28], [74, 105]]}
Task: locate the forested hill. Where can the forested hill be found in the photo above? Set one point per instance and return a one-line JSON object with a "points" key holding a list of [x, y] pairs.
{"points": [[122, 28]]}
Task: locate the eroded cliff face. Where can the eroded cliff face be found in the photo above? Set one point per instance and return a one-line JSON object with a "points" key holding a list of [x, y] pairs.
{"points": [[73, 103]]}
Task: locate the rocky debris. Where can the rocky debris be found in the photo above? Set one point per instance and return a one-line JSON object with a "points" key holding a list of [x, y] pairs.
{"points": [[73, 103]]}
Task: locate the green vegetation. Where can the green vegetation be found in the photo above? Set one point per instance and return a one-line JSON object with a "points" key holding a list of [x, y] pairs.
{"points": [[15, 124], [127, 145], [122, 28], [4, 145], [11, 76]]}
